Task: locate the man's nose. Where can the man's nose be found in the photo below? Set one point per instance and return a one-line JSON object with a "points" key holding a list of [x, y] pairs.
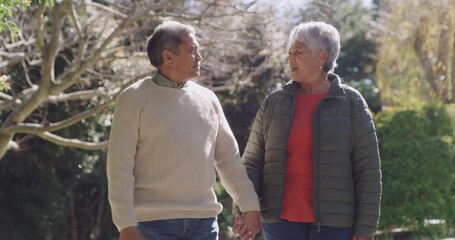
{"points": [[199, 56]]}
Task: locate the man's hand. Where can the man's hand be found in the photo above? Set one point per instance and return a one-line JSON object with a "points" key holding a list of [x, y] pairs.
{"points": [[360, 238], [247, 225], [130, 233]]}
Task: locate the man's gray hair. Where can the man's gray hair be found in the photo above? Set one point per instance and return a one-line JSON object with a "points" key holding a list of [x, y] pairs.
{"points": [[167, 36], [318, 36]]}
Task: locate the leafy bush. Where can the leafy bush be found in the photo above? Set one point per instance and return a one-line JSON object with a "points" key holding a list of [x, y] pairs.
{"points": [[418, 163]]}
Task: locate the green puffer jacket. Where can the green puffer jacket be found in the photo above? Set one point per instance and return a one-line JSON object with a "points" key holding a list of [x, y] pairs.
{"points": [[347, 175]]}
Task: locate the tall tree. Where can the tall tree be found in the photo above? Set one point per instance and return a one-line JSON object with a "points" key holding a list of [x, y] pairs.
{"points": [[82, 50], [417, 50]]}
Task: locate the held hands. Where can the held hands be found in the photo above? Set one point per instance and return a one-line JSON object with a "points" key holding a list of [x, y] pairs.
{"points": [[247, 225], [130, 233]]}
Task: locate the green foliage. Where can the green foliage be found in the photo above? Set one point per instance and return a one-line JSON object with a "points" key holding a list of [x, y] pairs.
{"points": [[35, 188], [10, 7], [240, 108], [44, 187], [418, 162], [370, 91], [31, 203]]}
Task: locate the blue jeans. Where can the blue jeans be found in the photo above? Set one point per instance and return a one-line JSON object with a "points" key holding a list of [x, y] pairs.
{"points": [[285, 230], [180, 229]]}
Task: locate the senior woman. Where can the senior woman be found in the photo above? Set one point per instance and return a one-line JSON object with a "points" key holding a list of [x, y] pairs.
{"points": [[313, 153]]}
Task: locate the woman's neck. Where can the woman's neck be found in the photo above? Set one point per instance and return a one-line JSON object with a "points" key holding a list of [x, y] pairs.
{"points": [[320, 85]]}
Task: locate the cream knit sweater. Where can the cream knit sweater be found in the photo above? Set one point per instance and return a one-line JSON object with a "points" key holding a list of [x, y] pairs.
{"points": [[165, 145]]}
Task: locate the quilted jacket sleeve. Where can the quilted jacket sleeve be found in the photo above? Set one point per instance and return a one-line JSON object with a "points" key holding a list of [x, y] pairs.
{"points": [[366, 170], [253, 156]]}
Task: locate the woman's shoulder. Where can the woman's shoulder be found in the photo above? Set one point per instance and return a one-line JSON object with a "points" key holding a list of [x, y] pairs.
{"points": [[284, 90], [354, 95]]}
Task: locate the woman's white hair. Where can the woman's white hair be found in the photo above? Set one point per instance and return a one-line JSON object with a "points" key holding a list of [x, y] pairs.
{"points": [[318, 36]]}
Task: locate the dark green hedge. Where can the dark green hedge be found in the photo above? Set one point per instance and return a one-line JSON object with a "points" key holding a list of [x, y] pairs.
{"points": [[417, 148]]}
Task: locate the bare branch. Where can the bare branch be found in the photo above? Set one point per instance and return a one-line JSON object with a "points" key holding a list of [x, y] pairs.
{"points": [[27, 76], [16, 101], [6, 105], [39, 28], [52, 48], [6, 96], [71, 76], [12, 55], [76, 22], [14, 58], [108, 9], [20, 43], [76, 143], [81, 95], [33, 128], [82, 45]]}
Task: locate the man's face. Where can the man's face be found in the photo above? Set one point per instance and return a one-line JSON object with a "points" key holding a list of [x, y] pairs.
{"points": [[187, 62]]}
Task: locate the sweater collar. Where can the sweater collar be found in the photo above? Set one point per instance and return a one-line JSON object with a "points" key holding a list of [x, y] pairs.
{"points": [[161, 80]]}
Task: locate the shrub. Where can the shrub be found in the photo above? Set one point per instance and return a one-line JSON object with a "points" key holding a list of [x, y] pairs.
{"points": [[418, 164]]}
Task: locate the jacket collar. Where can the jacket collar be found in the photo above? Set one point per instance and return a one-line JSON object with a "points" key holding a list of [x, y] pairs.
{"points": [[335, 88]]}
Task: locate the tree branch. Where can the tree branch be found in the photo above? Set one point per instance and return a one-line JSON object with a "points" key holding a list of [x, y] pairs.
{"points": [[32, 128], [20, 43], [108, 9], [71, 76], [14, 58], [27, 75], [7, 105], [82, 44], [6, 96], [39, 28], [76, 143], [76, 22], [37, 129], [81, 95]]}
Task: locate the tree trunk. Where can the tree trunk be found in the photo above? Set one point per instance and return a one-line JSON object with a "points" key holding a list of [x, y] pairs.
{"points": [[96, 229], [72, 215], [452, 59], [420, 46], [5, 143]]}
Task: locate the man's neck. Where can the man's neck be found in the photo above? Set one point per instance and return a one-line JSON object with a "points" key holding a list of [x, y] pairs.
{"points": [[171, 77]]}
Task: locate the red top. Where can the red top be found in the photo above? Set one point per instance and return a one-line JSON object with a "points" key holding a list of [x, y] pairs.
{"points": [[298, 194]]}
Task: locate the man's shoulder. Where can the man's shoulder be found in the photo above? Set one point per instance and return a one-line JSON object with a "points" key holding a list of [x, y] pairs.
{"points": [[135, 93], [200, 89], [198, 86], [137, 87]]}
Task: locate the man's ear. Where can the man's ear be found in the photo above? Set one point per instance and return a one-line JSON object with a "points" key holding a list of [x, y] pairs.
{"points": [[167, 56]]}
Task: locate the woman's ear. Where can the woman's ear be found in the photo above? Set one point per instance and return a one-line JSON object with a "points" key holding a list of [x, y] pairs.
{"points": [[322, 57], [167, 57]]}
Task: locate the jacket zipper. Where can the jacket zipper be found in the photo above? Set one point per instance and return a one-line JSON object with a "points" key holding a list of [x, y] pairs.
{"points": [[316, 167]]}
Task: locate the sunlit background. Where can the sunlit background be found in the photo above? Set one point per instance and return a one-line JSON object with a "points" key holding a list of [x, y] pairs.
{"points": [[63, 64]]}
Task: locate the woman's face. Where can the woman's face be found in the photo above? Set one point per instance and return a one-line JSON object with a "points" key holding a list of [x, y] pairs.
{"points": [[303, 62]]}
